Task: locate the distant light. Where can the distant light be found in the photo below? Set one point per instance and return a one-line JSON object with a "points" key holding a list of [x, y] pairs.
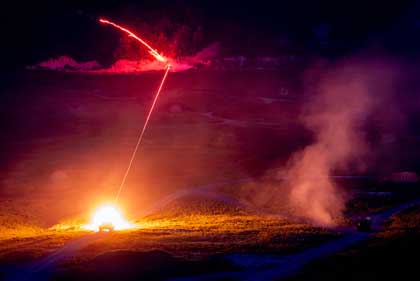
{"points": [[108, 215]]}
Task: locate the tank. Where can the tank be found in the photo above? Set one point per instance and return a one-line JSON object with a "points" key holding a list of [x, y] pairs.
{"points": [[106, 227], [364, 224]]}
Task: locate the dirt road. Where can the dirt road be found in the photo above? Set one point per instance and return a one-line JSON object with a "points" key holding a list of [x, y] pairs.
{"points": [[270, 267]]}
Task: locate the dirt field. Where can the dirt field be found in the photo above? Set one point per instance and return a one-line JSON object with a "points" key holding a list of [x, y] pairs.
{"points": [[66, 150]]}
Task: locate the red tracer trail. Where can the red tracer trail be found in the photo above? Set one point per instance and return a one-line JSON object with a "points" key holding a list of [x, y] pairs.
{"points": [[160, 58], [142, 132], [152, 51]]}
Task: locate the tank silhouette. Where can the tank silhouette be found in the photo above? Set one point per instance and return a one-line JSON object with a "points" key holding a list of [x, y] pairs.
{"points": [[106, 227], [364, 224]]}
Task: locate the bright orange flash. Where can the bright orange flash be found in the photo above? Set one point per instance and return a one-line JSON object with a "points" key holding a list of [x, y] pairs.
{"points": [[152, 51], [108, 215]]}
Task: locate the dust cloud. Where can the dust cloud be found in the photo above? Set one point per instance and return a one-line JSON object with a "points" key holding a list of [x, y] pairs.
{"points": [[336, 112]]}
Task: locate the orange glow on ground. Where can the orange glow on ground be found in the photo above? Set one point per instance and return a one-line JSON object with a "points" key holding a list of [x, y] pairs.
{"points": [[108, 215]]}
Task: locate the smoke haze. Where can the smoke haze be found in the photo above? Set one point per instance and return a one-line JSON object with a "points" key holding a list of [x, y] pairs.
{"points": [[337, 112]]}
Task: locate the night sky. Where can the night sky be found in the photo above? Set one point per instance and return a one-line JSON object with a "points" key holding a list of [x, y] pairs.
{"points": [[36, 31]]}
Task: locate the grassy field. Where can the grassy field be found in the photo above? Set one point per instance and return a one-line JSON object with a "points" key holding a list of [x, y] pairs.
{"points": [[388, 255], [197, 231], [213, 229], [67, 149], [200, 236]]}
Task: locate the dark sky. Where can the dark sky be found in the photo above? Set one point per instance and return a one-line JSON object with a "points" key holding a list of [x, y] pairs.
{"points": [[34, 31]]}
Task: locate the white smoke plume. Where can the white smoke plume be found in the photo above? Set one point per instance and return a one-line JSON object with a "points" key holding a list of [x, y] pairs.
{"points": [[340, 103]]}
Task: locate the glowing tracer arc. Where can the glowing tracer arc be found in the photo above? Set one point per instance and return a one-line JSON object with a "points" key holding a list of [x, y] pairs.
{"points": [[140, 138], [160, 58], [152, 51]]}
